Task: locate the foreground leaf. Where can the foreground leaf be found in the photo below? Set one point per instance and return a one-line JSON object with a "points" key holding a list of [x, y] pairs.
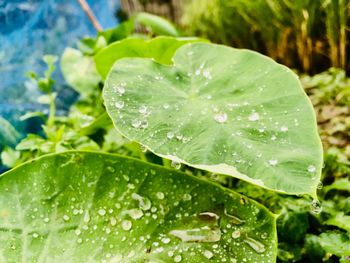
{"points": [[161, 49], [220, 109], [92, 207]]}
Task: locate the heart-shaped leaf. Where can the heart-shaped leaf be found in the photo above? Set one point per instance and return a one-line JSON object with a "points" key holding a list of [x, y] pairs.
{"points": [[160, 49], [221, 109], [93, 207]]}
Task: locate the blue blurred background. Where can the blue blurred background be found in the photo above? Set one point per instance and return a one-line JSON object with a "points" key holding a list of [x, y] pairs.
{"points": [[31, 29]]}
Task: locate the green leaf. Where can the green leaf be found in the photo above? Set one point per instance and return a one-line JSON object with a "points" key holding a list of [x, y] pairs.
{"points": [[335, 243], [8, 134], [9, 157], [342, 184], [79, 71], [123, 30], [92, 207], [220, 109], [340, 220], [160, 48], [157, 24]]}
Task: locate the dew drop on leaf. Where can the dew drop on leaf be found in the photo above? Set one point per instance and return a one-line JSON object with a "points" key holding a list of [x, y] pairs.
{"points": [[101, 212], [254, 116], [144, 202], [126, 225], [236, 234], [203, 234], [170, 135], [254, 244], [311, 169], [119, 104], [220, 117], [316, 207], [177, 258], [160, 195], [208, 254], [136, 123], [143, 110], [175, 164], [284, 129], [273, 162]]}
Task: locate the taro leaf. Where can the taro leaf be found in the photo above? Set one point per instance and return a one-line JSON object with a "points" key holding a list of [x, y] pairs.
{"points": [[79, 71], [161, 49], [93, 207], [220, 109]]}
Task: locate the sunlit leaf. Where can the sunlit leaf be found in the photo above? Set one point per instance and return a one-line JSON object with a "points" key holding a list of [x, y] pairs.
{"points": [[220, 109]]}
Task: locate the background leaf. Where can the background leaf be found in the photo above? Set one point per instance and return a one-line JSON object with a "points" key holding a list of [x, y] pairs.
{"points": [[92, 207], [160, 48], [223, 110], [79, 71]]}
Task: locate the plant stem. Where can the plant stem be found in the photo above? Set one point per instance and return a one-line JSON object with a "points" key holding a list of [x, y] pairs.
{"points": [[85, 6], [52, 111]]}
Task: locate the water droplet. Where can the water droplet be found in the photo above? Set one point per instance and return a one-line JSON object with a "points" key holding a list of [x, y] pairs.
{"points": [[166, 240], [175, 164], [113, 221], [126, 225], [144, 124], [170, 135], [206, 74], [77, 232], [254, 244], [134, 213], [177, 258], [120, 89], [254, 116], [79, 240], [311, 169], [101, 212], [35, 235], [234, 219], [166, 106], [319, 185], [143, 148], [208, 254], [316, 207], [86, 217], [263, 235], [203, 234], [209, 216], [119, 104], [284, 129], [220, 117], [144, 202], [66, 217], [236, 234], [46, 219], [273, 162], [136, 123], [160, 195], [143, 110], [187, 197]]}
